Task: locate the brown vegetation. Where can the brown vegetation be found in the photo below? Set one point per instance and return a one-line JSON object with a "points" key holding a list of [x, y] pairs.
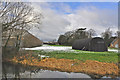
{"points": [[89, 66]]}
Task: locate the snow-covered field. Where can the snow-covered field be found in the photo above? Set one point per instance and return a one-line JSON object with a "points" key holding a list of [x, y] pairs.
{"points": [[58, 48], [113, 50], [53, 48]]}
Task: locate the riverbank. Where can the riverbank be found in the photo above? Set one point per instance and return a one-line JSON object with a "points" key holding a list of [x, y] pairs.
{"points": [[68, 65], [68, 60]]}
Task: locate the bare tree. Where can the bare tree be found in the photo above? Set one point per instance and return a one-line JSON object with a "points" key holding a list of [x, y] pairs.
{"points": [[91, 32], [107, 35], [117, 34], [69, 37], [18, 16]]}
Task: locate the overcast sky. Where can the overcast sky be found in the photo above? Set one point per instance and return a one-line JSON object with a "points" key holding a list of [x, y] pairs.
{"points": [[60, 17]]}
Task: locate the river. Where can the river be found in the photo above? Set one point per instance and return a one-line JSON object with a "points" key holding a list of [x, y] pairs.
{"points": [[19, 71]]}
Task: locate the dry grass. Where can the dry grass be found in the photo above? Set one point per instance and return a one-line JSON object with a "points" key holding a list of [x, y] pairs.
{"points": [[89, 66]]}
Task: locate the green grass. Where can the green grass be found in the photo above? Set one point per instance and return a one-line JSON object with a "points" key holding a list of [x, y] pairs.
{"points": [[82, 55]]}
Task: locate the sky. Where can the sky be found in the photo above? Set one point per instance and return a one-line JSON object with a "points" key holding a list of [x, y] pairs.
{"points": [[60, 17]]}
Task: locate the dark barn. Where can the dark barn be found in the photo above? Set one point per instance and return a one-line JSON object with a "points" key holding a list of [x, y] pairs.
{"points": [[96, 44]]}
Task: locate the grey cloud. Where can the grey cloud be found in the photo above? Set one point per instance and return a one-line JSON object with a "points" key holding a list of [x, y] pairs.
{"points": [[55, 23], [52, 25], [98, 19]]}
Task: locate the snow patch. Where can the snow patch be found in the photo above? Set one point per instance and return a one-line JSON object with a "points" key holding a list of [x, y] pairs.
{"points": [[47, 47], [60, 48], [113, 50]]}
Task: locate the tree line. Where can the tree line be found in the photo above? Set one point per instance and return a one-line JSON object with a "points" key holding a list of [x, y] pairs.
{"points": [[69, 37]]}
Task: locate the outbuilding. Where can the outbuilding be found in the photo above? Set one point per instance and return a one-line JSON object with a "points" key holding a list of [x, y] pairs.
{"points": [[115, 43], [28, 40], [96, 44]]}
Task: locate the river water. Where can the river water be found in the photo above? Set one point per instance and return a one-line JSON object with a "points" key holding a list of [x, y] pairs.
{"points": [[18, 71]]}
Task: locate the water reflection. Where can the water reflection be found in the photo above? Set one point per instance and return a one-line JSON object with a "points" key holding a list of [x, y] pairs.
{"points": [[19, 71]]}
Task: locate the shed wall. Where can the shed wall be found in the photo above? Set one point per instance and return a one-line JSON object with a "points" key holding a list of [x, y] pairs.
{"points": [[90, 44]]}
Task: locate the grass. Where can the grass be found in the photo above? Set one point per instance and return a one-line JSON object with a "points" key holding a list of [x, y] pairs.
{"points": [[77, 54], [82, 55]]}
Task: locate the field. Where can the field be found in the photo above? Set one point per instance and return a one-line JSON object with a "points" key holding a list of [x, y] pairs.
{"points": [[66, 59], [66, 52], [82, 55]]}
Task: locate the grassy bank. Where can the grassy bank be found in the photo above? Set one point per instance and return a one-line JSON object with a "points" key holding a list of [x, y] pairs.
{"points": [[72, 54], [81, 55], [67, 65], [92, 63]]}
